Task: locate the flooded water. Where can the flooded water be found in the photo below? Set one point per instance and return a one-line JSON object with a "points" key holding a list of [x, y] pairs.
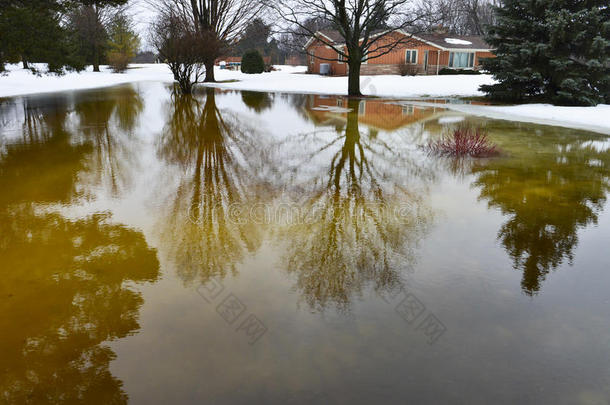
{"points": [[240, 248]]}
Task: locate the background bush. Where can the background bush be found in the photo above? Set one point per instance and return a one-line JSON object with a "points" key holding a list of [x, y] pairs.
{"points": [[408, 69], [252, 62], [123, 42]]}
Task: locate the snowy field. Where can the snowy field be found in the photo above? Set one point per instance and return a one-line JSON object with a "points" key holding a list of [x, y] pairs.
{"points": [[286, 79], [293, 79]]}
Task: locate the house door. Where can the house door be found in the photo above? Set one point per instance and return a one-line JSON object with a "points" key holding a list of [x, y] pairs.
{"points": [[426, 61]]}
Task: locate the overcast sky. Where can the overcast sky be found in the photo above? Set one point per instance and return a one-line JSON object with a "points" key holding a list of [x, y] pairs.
{"points": [[143, 13]]}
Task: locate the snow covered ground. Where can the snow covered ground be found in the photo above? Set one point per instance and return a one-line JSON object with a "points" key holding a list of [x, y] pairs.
{"points": [[595, 119], [293, 79], [287, 79]]}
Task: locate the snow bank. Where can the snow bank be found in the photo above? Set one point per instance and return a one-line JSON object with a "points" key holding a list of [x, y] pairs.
{"points": [[595, 119], [384, 86], [292, 79], [19, 81], [285, 79]]}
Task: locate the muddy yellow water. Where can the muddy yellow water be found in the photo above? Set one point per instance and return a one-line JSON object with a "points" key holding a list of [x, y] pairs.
{"points": [[241, 248]]}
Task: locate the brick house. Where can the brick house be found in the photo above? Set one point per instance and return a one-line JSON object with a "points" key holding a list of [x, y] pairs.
{"points": [[417, 54]]}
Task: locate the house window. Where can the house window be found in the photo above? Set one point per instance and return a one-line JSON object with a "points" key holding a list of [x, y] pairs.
{"points": [[340, 57], [461, 59], [362, 107], [408, 109], [411, 56]]}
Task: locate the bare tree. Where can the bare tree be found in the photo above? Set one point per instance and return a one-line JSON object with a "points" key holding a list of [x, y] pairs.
{"points": [[218, 23], [368, 28], [479, 14], [180, 47], [461, 17]]}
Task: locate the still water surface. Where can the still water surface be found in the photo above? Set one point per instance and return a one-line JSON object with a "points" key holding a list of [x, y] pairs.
{"points": [[240, 247]]}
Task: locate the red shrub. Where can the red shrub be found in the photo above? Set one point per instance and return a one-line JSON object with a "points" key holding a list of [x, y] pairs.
{"points": [[464, 142]]}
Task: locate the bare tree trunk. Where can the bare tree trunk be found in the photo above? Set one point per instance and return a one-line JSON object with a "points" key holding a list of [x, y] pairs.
{"points": [[353, 80], [96, 44], [96, 57], [25, 63], [209, 72], [185, 86]]}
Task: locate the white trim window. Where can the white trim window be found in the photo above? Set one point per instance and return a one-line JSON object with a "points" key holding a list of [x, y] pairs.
{"points": [[408, 109], [362, 107], [340, 57], [411, 56], [461, 60]]}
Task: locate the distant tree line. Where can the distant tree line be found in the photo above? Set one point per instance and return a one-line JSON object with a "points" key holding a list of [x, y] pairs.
{"points": [[66, 34], [460, 17]]}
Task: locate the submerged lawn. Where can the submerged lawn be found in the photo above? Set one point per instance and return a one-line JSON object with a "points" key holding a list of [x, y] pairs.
{"points": [[248, 247]]}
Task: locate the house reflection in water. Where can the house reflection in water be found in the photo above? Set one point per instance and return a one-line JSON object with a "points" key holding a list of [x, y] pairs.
{"points": [[382, 114], [374, 113]]}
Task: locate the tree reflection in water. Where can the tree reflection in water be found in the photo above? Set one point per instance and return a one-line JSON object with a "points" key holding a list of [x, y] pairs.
{"points": [[365, 220], [63, 292], [43, 163], [257, 101], [207, 229], [107, 119], [554, 186]]}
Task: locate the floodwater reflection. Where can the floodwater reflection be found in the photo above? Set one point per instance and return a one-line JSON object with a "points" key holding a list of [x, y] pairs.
{"points": [[63, 290], [310, 212], [218, 158], [548, 191], [366, 218], [106, 121], [257, 101]]}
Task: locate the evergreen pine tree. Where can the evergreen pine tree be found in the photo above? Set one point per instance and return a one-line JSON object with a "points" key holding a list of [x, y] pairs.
{"points": [[90, 22], [552, 50], [123, 42], [31, 31], [252, 62]]}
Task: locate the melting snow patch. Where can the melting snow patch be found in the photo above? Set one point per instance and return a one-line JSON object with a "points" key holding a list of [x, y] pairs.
{"points": [[450, 120], [456, 41]]}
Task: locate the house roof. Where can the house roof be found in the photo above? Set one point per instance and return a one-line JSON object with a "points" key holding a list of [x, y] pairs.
{"points": [[333, 35], [441, 41], [450, 41]]}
